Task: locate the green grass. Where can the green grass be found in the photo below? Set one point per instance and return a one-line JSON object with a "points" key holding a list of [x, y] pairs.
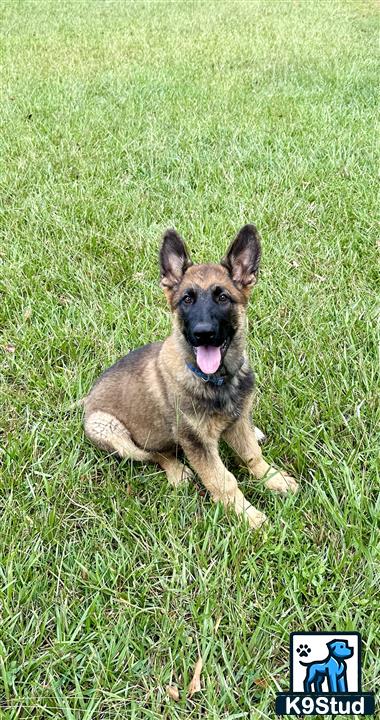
{"points": [[120, 119]]}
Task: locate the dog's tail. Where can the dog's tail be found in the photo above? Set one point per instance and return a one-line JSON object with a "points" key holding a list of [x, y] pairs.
{"points": [[76, 404]]}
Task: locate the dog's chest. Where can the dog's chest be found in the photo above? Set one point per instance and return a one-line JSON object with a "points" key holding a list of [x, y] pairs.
{"points": [[216, 407], [229, 399]]}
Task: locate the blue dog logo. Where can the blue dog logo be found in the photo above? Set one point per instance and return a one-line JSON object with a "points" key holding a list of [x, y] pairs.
{"points": [[331, 686], [333, 668]]}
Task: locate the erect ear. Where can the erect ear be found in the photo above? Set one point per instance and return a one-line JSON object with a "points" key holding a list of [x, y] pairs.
{"points": [[174, 259], [243, 257]]}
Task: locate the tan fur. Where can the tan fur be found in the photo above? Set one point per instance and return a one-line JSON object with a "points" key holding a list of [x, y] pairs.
{"points": [[150, 405]]}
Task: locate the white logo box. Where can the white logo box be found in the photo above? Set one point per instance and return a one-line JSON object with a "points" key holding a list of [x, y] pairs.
{"points": [[317, 643]]}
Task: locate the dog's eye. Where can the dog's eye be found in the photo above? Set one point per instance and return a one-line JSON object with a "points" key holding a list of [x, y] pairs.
{"points": [[188, 300], [223, 298]]}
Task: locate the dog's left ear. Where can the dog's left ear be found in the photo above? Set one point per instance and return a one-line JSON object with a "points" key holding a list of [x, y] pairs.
{"points": [[243, 257], [174, 259]]}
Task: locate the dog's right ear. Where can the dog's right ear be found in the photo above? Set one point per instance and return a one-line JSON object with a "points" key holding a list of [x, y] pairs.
{"points": [[174, 260]]}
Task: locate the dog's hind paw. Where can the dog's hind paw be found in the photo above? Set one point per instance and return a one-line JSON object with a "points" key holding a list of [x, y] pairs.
{"points": [[260, 436], [178, 474]]}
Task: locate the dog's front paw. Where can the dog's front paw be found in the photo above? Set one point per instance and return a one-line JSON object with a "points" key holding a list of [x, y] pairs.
{"points": [[243, 507], [255, 518], [280, 482]]}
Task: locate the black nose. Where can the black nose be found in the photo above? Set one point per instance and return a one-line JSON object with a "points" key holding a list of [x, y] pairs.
{"points": [[204, 333]]}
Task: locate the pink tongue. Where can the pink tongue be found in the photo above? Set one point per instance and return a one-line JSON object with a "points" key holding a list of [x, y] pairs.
{"points": [[208, 358]]}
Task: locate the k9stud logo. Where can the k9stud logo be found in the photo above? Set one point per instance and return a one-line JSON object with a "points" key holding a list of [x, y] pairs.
{"points": [[325, 676]]}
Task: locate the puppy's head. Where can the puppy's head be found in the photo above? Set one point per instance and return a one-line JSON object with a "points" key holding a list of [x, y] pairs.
{"points": [[208, 301]]}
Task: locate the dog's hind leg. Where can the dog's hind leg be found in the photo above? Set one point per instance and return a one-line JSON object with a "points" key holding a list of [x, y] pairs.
{"points": [[318, 683], [176, 471], [308, 682], [108, 433]]}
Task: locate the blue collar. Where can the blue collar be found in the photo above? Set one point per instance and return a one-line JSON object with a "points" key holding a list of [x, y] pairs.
{"points": [[214, 380]]}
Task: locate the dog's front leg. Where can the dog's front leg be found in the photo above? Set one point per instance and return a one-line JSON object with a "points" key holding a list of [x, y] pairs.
{"points": [[242, 439], [222, 485], [332, 682], [342, 684]]}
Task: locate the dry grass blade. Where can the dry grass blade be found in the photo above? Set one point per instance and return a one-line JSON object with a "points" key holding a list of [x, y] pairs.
{"points": [[195, 684], [217, 623]]}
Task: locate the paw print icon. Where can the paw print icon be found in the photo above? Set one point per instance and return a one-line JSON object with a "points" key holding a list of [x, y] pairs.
{"points": [[303, 650]]}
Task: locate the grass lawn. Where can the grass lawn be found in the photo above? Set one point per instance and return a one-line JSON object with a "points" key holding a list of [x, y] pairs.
{"points": [[120, 119]]}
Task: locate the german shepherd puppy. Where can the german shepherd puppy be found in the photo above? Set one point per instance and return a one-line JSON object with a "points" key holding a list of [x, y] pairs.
{"points": [[194, 388]]}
